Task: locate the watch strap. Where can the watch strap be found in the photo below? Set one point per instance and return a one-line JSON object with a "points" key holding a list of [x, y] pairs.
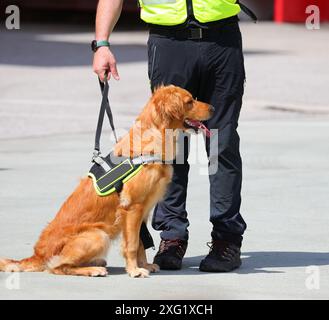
{"points": [[102, 43]]}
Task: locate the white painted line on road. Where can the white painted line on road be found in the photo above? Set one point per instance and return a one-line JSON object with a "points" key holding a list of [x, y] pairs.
{"points": [[297, 123], [46, 102]]}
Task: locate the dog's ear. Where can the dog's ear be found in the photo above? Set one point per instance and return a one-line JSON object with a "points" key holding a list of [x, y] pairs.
{"points": [[168, 105], [176, 106]]}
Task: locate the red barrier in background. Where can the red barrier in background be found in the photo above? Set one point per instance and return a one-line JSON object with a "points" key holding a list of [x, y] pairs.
{"points": [[294, 10]]}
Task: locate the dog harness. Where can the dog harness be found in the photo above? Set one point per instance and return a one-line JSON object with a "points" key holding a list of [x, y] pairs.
{"points": [[111, 172]]}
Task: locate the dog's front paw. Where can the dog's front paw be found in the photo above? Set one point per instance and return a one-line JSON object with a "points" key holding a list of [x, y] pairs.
{"points": [[152, 267], [97, 272], [138, 273]]}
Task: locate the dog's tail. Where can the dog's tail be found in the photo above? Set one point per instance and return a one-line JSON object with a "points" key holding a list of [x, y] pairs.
{"points": [[32, 264]]}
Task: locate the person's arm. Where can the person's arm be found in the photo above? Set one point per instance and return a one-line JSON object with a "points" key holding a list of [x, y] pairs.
{"points": [[108, 13]]}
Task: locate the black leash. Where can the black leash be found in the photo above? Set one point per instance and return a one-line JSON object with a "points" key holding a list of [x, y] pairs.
{"points": [[247, 11], [105, 107], [144, 234]]}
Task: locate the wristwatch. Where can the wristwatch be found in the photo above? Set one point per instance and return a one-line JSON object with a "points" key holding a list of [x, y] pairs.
{"points": [[97, 44]]}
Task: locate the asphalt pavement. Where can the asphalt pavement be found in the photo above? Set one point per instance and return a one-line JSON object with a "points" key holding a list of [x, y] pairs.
{"points": [[48, 110]]}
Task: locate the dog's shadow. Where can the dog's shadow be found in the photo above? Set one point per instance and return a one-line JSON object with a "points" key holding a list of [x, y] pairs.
{"points": [[259, 262], [115, 270]]}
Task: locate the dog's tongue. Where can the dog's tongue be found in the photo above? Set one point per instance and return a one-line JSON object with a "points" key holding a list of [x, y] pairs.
{"points": [[200, 125]]}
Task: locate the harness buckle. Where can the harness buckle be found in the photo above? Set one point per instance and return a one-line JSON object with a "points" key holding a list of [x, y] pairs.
{"points": [[143, 159], [195, 34]]}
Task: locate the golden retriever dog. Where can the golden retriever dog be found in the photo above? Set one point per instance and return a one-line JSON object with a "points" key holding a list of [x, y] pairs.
{"points": [[78, 238]]}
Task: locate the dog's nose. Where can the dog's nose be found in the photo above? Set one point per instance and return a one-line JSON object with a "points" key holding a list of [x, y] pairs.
{"points": [[211, 109]]}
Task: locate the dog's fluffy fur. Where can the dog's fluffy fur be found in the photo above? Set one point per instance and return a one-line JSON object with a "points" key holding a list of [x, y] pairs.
{"points": [[78, 238]]}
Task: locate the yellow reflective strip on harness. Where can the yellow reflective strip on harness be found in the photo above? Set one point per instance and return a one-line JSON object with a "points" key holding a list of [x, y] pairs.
{"points": [[119, 165], [103, 194]]}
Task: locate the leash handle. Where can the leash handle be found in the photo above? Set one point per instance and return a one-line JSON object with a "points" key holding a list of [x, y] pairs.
{"points": [[105, 107]]}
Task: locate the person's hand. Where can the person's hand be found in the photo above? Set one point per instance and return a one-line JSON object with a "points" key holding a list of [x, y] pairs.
{"points": [[104, 62]]}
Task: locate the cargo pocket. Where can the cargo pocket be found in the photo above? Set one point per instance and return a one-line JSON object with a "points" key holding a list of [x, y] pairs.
{"points": [[152, 60]]}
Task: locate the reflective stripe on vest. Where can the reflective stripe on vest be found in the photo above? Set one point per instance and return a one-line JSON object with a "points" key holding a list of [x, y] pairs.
{"points": [[174, 12]]}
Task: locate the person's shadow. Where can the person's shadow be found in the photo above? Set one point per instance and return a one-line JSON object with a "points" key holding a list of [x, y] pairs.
{"points": [[259, 262], [252, 262]]}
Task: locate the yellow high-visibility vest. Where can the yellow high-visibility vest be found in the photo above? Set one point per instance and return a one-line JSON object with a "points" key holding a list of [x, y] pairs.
{"points": [[174, 12]]}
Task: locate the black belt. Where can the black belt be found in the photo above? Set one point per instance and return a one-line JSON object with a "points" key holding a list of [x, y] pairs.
{"points": [[192, 32]]}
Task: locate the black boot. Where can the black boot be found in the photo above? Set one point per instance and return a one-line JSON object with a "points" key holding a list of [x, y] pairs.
{"points": [[223, 257], [170, 254]]}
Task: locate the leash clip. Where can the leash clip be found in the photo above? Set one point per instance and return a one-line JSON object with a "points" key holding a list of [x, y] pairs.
{"points": [[97, 157], [100, 161]]}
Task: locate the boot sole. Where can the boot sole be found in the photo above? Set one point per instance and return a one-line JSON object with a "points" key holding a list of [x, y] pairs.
{"points": [[165, 266], [222, 268]]}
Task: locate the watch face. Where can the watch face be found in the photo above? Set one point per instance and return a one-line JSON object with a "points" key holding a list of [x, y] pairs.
{"points": [[94, 45]]}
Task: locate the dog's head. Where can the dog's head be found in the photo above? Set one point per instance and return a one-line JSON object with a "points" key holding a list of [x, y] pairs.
{"points": [[174, 108]]}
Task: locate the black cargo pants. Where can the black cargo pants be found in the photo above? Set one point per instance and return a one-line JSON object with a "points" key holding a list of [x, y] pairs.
{"points": [[212, 69]]}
